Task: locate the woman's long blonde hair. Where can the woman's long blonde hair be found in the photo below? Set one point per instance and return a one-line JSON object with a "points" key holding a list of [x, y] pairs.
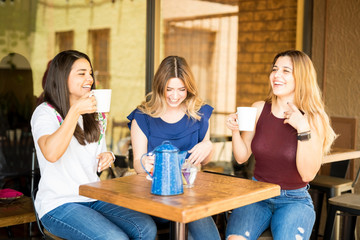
{"points": [[308, 95], [172, 67]]}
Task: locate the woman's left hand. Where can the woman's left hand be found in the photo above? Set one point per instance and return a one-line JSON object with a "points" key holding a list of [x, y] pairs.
{"points": [[105, 160], [200, 151], [296, 119]]}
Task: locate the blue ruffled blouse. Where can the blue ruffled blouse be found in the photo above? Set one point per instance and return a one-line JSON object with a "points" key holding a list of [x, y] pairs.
{"points": [[184, 134]]}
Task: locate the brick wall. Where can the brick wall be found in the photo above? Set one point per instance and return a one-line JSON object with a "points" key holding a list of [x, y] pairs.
{"points": [[266, 27]]}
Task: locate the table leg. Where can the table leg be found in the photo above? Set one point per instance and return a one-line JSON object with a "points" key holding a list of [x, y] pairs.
{"points": [[178, 231]]}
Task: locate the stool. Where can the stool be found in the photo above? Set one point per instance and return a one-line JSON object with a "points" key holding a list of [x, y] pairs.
{"points": [[336, 183], [49, 234], [347, 203], [331, 187]]}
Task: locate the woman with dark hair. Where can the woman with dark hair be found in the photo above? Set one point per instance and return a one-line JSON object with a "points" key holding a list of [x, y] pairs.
{"points": [[174, 111], [40, 99], [70, 146], [292, 135]]}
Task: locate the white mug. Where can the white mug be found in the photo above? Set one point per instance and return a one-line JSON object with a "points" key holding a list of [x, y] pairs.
{"points": [[103, 99], [246, 118]]}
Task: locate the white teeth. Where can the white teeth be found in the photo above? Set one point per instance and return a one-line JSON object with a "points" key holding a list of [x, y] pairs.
{"points": [[278, 83]]}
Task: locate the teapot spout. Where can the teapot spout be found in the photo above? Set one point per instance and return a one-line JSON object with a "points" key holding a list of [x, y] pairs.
{"points": [[181, 157]]}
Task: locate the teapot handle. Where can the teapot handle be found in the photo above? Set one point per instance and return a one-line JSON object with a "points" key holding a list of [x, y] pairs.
{"points": [[181, 158], [146, 154]]}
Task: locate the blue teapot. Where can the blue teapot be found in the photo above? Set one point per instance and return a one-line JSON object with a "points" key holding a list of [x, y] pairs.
{"points": [[166, 177]]}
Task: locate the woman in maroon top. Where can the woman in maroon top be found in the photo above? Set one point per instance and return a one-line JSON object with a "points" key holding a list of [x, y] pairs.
{"points": [[291, 136]]}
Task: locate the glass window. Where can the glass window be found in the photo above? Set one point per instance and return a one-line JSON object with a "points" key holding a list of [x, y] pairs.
{"points": [[64, 40], [111, 33], [205, 34], [99, 44]]}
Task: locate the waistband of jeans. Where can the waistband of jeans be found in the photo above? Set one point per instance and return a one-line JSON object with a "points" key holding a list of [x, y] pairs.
{"points": [[307, 187]]}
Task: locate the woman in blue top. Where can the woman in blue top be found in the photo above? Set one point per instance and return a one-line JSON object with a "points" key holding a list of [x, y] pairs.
{"points": [[173, 111]]}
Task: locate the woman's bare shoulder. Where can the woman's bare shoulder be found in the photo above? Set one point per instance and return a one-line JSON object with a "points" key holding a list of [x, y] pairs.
{"points": [[259, 105]]}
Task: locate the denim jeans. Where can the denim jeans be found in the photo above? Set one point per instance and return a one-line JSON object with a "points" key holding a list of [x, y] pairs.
{"points": [[204, 228], [290, 216], [98, 220]]}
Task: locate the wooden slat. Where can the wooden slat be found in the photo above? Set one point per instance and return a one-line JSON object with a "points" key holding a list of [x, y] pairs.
{"points": [[346, 200], [331, 182]]}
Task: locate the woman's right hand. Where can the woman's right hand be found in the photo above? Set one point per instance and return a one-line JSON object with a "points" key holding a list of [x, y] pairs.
{"points": [[231, 122], [86, 104]]}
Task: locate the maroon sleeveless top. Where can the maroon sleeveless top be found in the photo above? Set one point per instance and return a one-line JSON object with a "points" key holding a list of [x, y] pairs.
{"points": [[274, 147]]}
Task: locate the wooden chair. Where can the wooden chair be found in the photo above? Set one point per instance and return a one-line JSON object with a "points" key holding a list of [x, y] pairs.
{"points": [[15, 161], [220, 163], [346, 203], [120, 167], [124, 131], [34, 167], [335, 183], [45, 234]]}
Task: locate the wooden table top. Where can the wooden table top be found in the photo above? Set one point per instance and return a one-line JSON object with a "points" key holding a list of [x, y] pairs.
{"points": [[212, 194], [341, 154], [16, 212]]}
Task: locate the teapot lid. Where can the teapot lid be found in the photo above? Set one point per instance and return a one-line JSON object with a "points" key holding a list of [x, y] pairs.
{"points": [[166, 146]]}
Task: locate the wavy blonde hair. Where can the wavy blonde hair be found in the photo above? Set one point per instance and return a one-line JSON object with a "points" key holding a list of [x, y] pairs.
{"points": [[308, 95], [172, 67]]}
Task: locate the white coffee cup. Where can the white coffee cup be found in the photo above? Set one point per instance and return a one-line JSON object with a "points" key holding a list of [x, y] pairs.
{"points": [[103, 99], [246, 118]]}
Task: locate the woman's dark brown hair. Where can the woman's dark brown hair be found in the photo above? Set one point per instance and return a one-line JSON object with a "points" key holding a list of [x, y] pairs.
{"points": [[56, 93]]}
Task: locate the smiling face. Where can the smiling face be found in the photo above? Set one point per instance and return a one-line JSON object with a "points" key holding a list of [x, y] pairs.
{"points": [[175, 92], [281, 78], [80, 79]]}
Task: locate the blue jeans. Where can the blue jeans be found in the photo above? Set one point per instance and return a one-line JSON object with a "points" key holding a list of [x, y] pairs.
{"points": [[98, 220], [290, 216], [204, 228]]}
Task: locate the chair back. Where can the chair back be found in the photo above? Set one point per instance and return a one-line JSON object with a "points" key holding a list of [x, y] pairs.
{"points": [[16, 147], [34, 188], [45, 234], [346, 130], [15, 158], [124, 131], [40, 226]]}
